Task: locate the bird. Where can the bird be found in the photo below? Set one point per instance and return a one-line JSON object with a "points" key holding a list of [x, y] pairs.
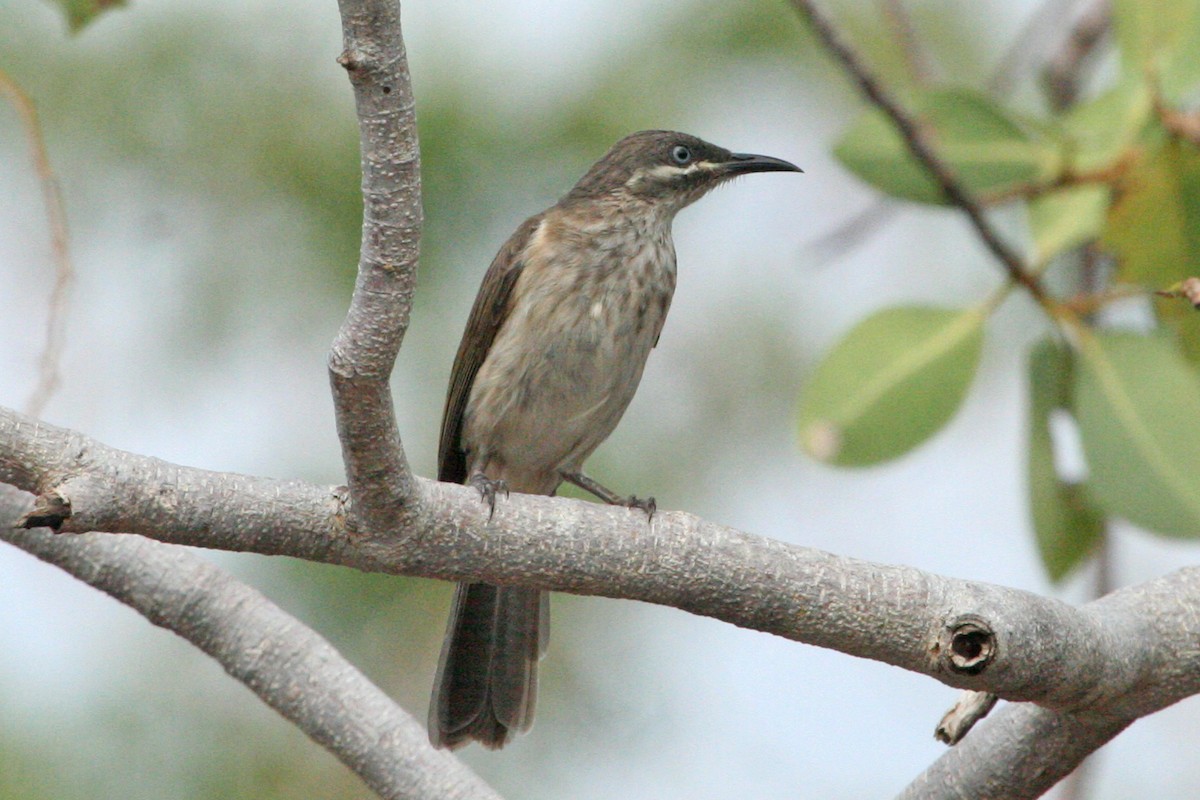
{"points": [[552, 354]]}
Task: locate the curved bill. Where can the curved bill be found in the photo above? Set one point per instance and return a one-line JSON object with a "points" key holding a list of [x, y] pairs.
{"points": [[748, 162]]}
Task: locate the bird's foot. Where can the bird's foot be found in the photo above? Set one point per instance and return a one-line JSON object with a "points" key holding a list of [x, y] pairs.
{"points": [[646, 504], [487, 490]]}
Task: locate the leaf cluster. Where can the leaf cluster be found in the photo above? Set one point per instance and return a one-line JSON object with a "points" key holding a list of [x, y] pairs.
{"points": [[1113, 180]]}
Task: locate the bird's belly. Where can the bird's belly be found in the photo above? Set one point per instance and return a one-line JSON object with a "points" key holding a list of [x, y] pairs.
{"points": [[556, 383]]}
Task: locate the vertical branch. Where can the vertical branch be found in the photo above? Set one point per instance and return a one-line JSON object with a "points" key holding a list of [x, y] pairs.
{"points": [[64, 273], [364, 352]]}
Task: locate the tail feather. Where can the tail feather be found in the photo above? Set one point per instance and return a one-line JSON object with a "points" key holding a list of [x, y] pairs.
{"points": [[486, 685]]}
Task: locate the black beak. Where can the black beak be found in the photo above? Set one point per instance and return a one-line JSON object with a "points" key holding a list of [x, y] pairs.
{"points": [[744, 163]]}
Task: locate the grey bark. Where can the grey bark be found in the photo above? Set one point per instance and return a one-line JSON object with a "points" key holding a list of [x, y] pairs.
{"points": [[1092, 669], [291, 668], [364, 351]]}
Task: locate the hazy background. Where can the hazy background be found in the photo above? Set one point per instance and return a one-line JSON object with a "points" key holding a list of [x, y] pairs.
{"points": [[208, 156]]}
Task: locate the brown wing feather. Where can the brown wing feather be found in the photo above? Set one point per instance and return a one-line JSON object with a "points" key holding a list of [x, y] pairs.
{"points": [[487, 315]]}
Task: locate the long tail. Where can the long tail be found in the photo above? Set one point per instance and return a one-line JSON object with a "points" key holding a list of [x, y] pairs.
{"points": [[486, 685]]}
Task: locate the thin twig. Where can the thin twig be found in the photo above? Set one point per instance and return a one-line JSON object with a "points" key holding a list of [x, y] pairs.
{"points": [[898, 19], [918, 144], [1031, 45], [1008, 70], [64, 273], [1182, 124], [1063, 76], [1105, 176], [849, 232], [1086, 305]]}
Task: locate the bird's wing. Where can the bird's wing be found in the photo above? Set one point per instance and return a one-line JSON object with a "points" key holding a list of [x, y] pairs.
{"points": [[487, 315]]}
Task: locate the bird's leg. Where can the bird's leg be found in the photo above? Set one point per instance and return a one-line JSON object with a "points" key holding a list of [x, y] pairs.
{"points": [[608, 495], [487, 490]]}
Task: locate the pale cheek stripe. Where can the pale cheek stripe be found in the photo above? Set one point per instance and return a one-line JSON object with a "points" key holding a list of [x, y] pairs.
{"points": [[667, 171]]}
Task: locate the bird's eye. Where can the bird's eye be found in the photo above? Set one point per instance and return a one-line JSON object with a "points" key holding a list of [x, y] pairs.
{"points": [[681, 154]]}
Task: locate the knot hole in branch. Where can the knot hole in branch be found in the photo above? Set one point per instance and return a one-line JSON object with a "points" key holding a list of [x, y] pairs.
{"points": [[362, 68], [50, 510], [968, 645]]}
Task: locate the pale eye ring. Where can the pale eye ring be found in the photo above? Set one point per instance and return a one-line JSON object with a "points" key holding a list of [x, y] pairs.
{"points": [[681, 154]]}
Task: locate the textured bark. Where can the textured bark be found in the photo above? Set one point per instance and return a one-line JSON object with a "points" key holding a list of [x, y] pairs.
{"points": [[364, 351], [1127, 653], [291, 668]]}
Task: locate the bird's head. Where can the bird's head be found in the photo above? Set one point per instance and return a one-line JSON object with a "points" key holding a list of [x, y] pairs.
{"points": [[668, 169]]}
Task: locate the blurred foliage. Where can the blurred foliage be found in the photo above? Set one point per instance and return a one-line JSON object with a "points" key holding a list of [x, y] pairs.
{"points": [[894, 380], [1066, 524], [23, 772], [1135, 399], [987, 149], [1062, 222], [1120, 170], [80, 12]]}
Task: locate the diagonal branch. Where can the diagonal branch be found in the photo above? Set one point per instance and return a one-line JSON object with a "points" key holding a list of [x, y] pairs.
{"points": [[1018, 753], [1064, 75], [918, 143], [365, 349], [1028, 45], [288, 666]]}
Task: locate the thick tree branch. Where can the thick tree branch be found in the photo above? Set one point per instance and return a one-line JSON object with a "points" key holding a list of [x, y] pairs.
{"points": [[362, 356], [291, 668], [1018, 753], [1126, 654]]}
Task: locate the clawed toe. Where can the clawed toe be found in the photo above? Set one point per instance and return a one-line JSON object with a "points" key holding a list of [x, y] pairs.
{"points": [[487, 490], [648, 505]]}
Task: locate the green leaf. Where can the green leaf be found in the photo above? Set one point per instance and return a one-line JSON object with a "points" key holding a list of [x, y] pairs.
{"points": [[1065, 219], [986, 148], [1150, 34], [1138, 403], [1178, 79], [1066, 525], [1147, 227], [891, 383], [1153, 229], [80, 12], [1100, 131]]}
